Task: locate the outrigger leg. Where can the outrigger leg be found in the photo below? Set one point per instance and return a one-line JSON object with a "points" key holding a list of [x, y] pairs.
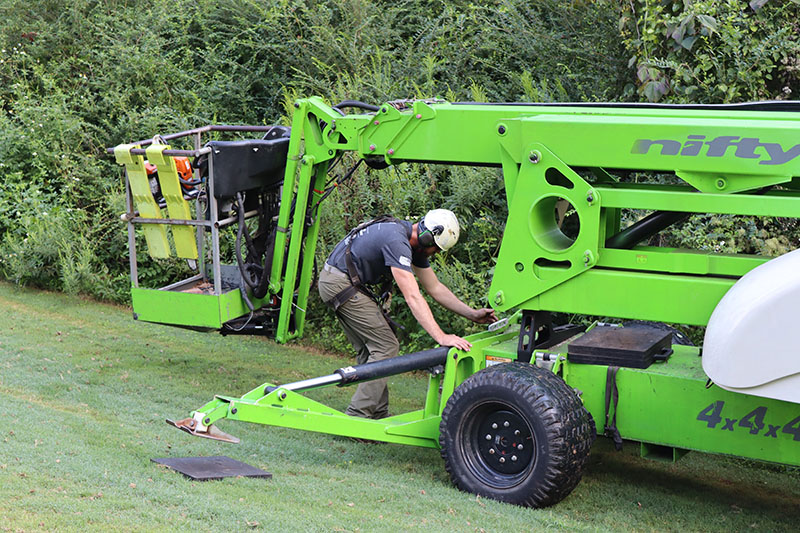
{"points": [[280, 405]]}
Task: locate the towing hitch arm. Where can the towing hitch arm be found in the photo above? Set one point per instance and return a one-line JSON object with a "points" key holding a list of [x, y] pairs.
{"points": [[282, 405]]}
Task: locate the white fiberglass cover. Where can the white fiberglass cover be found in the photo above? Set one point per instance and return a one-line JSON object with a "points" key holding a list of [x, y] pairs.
{"points": [[752, 343]]}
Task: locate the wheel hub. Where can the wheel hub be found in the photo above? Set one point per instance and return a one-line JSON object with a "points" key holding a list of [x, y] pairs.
{"points": [[505, 442]]}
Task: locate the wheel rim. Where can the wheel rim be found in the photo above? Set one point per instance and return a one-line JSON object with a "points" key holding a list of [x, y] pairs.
{"points": [[498, 445]]}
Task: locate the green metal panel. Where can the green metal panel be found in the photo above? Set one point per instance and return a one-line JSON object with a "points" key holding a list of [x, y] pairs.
{"points": [[188, 309], [675, 299], [534, 252], [669, 404], [679, 261], [632, 196]]}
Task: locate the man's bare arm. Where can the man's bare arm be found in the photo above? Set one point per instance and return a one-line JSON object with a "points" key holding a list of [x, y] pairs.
{"points": [[445, 297], [422, 312]]}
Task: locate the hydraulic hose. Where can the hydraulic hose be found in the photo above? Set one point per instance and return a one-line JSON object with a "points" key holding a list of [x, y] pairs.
{"points": [[644, 229]]}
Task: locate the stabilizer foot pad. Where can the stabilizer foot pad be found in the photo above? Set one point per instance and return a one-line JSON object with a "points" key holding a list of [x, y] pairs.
{"points": [[212, 432], [208, 468]]}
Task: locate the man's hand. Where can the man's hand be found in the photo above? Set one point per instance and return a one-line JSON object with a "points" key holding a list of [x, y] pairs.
{"points": [[483, 316], [456, 342]]}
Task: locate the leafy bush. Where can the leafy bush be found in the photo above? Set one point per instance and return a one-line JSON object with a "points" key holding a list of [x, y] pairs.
{"points": [[713, 51], [79, 76]]}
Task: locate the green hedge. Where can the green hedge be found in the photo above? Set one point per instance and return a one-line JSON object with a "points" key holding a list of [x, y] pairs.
{"points": [[79, 76]]}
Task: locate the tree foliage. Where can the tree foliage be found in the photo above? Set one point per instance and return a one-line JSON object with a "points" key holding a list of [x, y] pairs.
{"points": [[79, 76], [712, 51]]}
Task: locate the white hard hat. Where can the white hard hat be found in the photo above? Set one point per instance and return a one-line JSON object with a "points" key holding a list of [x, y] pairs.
{"points": [[438, 227]]}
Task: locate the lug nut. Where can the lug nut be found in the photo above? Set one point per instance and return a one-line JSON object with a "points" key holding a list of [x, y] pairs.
{"points": [[494, 426], [506, 424], [488, 437], [502, 459], [516, 432], [491, 451], [514, 458], [519, 446]]}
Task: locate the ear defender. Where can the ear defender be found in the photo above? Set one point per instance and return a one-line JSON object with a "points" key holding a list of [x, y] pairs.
{"points": [[427, 237]]}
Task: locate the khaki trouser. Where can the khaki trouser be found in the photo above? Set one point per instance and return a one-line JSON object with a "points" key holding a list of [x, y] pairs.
{"points": [[373, 339]]}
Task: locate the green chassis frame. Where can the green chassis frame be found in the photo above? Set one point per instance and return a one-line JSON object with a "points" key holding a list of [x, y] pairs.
{"points": [[548, 152], [668, 407]]}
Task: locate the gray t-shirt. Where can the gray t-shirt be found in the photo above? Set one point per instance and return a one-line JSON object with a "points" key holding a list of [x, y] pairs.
{"points": [[376, 249]]}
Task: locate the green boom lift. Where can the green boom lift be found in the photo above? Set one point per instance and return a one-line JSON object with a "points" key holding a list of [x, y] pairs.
{"points": [[515, 417]]}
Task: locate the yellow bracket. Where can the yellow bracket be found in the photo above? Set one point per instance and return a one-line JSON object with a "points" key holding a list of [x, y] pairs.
{"points": [[154, 234], [177, 206]]}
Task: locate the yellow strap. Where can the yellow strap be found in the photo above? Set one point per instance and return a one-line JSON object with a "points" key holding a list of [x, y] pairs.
{"points": [[154, 234], [177, 206]]}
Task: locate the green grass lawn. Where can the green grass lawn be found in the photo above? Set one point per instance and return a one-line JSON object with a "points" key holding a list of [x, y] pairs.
{"points": [[85, 391]]}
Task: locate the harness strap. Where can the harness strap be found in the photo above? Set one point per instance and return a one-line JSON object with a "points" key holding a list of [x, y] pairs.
{"points": [[355, 281], [611, 419], [342, 297]]}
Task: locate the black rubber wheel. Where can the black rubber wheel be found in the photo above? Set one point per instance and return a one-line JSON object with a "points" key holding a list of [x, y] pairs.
{"points": [[678, 337], [516, 433]]}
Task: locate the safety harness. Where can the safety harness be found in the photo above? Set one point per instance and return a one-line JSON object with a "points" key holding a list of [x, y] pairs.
{"points": [[356, 285]]}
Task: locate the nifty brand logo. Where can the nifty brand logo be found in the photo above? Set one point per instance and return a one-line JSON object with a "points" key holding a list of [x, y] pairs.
{"points": [[746, 148]]}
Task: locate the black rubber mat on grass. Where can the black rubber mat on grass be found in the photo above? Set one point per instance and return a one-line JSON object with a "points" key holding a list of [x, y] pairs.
{"points": [[208, 468]]}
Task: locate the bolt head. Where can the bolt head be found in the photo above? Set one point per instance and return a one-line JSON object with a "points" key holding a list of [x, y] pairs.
{"points": [[207, 421], [488, 437], [377, 122], [390, 151], [494, 426], [372, 147], [506, 424], [499, 298], [234, 411], [513, 457], [502, 459], [419, 116], [534, 157], [501, 129], [491, 451], [516, 432], [519, 446]]}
